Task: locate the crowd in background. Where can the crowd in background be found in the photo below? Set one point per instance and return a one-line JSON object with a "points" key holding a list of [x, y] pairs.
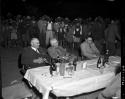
{"points": [[17, 32]]}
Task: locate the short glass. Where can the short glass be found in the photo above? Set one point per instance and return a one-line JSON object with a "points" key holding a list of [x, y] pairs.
{"points": [[62, 69], [101, 70], [70, 70]]}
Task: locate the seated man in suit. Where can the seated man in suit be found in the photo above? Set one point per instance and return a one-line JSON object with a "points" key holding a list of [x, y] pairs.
{"points": [[56, 51], [88, 49], [34, 56]]}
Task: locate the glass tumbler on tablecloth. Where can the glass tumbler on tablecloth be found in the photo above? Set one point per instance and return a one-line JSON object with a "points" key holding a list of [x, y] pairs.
{"points": [[62, 69], [101, 70], [71, 70], [57, 68]]}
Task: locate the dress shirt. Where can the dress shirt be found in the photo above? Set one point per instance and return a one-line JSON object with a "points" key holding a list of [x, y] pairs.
{"points": [[35, 49]]}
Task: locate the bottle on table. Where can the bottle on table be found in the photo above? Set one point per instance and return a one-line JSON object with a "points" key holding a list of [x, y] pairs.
{"points": [[75, 63], [52, 67], [107, 56], [99, 63], [103, 61]]}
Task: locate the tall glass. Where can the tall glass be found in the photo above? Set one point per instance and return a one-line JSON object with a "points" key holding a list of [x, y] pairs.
{"points": [[62, 69]]}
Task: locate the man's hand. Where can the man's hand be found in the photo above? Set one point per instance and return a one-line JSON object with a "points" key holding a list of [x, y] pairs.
{"points": [[39, 60]]}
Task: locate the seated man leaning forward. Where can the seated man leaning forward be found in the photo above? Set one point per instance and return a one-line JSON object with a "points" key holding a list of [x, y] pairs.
{"points": [[34, 55], [56, 51], [88, 49]]}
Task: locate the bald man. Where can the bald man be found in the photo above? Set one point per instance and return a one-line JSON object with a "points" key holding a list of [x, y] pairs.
{"points": [[34, 55]]}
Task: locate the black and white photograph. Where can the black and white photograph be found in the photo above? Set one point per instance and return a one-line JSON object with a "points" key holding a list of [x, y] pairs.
{"points": [[62, 49]]}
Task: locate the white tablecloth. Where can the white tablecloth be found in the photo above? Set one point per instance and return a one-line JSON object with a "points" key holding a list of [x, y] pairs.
{"points": [[83, 80]]}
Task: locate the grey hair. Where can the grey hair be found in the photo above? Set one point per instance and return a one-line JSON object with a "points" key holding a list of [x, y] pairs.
{"points": [[53, 41], [33, 40]]}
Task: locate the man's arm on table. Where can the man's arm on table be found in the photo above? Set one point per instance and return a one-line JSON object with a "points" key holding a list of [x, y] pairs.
{"points": [[95, 49], [28, 58]]}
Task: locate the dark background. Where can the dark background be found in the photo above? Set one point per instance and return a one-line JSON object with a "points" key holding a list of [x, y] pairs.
{"points": [[64, 8]]}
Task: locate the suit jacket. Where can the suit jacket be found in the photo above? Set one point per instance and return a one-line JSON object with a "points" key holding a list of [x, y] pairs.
{"points": [[55, 52], [28, 55], [88, 51], [60, 52]]}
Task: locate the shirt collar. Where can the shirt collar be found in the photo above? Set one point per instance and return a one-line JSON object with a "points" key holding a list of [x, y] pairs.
{"points": [[34, 48]]}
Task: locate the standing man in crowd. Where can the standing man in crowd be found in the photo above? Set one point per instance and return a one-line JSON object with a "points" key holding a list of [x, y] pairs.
{"points": [[111, 36], [49, 33]]}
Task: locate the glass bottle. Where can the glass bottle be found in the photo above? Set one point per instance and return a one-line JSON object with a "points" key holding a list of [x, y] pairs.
{"points": [[52, 67], [75, 63], [107, 56], [99, 63]]}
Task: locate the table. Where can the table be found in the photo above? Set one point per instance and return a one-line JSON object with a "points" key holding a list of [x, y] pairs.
{"points": [[83, 80]]}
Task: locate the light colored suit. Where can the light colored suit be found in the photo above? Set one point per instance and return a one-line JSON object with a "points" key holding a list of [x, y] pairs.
{"points": [[89, 51], [54, 52]]}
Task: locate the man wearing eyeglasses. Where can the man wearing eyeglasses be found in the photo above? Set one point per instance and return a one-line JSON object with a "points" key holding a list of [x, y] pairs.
{"points": [[88, 49]]}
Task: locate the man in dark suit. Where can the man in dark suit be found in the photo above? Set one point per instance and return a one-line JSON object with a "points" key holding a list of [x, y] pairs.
{"points": [[34, 55]]}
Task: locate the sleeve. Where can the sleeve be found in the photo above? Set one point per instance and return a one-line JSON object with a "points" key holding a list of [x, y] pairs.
{"points": [[95, 49], [52, 53], [26, 57], [63, 51]]}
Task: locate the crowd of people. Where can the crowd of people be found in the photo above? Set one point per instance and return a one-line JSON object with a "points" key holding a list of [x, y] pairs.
{"points": [[18, 31]]}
